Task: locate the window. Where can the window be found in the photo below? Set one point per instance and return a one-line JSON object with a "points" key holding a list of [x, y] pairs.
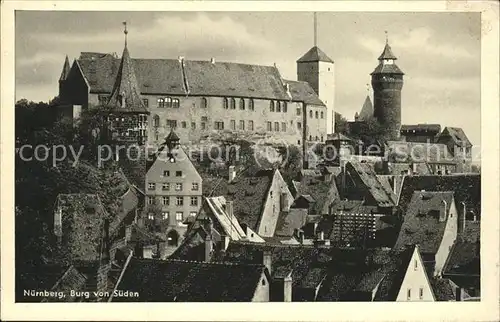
{"points": [[276, 126], [242, 104], [283, 127], [298, 142], [310, 113], [278, 106], [204, 119], [263, 282], [165, 186], [204, 103], [269, 126], [193, 214], [285, 107], [316, 114], [179, 201], [233, 104], [151, 200], [421, 293], [310, 137], [250, 125], [195, 186], [183, 124], [271, 106], [165, 215], [145, 101], [194, 201], [151, 186], [225, 103], [251, 104], [175, 103], [408, 294], [316, 138], [151, 216], [232, 125], [178, 186], [168, 102], [203, 126], [178, 173], [172, 124], [156, 121], [166, 173], [193, 126], [322, 138], [161, 103], [416, 265], [165, 201], [298, 111], [242, 125], [299, 125], [219, 125], [322, 115], [178, 216]]}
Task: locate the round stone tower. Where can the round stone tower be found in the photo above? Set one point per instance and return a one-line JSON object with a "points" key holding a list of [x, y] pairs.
{"points": [[387, 82]]}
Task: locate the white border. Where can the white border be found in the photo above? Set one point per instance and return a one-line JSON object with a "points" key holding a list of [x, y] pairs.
{"points": [[487, 309]]}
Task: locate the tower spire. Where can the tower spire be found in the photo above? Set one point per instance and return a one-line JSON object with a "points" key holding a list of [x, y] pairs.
{"points": [[125, 31], [315, 29], [386, 37]]}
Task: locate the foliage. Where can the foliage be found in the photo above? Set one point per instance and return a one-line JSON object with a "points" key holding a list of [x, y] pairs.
{"points": [[341, 124], [290, 169]]}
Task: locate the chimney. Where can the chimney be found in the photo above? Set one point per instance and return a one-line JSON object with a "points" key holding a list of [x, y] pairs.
{"points": [[229, 208], [267, 260], [459, 294], [212, 60], [321, 235], [465, 215], [58, 223], [226, 240], [443, 217], [287, 289], [232, 173], [284, 202], [208, 240], [128, 233], [301, 236]]}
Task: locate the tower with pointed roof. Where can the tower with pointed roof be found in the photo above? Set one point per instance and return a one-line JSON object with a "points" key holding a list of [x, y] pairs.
{"points": [[387, 82], [317, 69], [63, 77], [127, 119]]}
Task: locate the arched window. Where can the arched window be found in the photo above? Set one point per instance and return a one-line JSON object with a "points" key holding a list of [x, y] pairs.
{"points": [[173, 238], [322, 115], [310, 113], [310, 137], [285, 107], [278, 106], [225, 102], [271, 106], [204, 103], [242, 104], [168, 102], [250, 104], [233, 104], [156, 121], [316, 114]]}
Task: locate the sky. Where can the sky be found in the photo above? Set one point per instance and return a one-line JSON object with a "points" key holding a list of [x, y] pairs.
{"points": [[440, 53]]}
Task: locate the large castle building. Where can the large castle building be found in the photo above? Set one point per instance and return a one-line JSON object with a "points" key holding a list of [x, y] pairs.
{"points": [[202, 98]]}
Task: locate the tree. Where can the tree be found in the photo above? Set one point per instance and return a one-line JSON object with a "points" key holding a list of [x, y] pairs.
{"points": [[292, 162], [341, 124]]}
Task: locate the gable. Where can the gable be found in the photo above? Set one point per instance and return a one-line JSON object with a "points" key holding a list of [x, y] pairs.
{"points": [[414, 280], [182, 163]]}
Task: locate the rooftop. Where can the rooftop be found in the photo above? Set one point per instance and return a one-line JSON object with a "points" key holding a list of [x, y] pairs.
{"points": [[314, 55]]}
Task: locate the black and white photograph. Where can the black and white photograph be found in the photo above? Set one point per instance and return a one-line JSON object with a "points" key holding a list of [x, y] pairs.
{"points": [[248, 156]]}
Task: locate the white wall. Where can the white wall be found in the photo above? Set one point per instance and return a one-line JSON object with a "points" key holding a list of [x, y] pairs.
{"points": [[449, 237], [414, 280]]}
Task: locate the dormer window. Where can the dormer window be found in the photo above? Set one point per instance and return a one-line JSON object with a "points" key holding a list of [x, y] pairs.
{"points": [[168, 102], [204, 103]]}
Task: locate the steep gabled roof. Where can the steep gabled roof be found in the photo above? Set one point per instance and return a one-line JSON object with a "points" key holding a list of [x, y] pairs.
{"points": [[185, 281], [387, 53], [464, 258], [302, 91], [229, 224], [65, 70], [314, 55], [457, 134], [125, 95], [367, 110], [422, 224]]}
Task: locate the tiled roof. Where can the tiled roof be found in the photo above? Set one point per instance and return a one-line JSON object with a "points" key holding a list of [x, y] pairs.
{"points": [[302, 91], [71, 280], [418, 152], [381, 194], [229, 224], [436, 128], [185, 281], [464, 258], [387, 53], [247, 191], [65, 70], [444, 289], [323, 193], [125, 95], [457, 134], [367, 110], [466, 189], [421, 224], [387, 69], [173, 77], [82, 220], [289, 221], [391, 284], [315, 55]]}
